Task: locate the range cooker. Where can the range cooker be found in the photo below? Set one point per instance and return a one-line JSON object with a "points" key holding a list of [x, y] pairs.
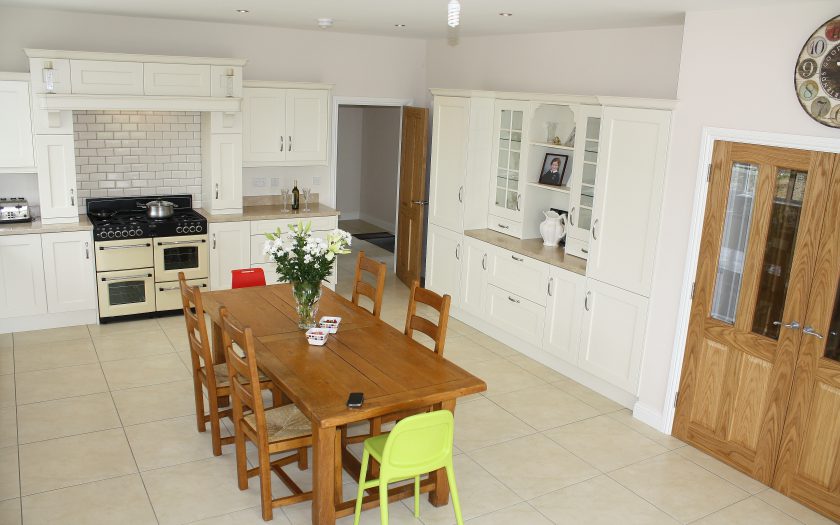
{"points": [[138, 258]]}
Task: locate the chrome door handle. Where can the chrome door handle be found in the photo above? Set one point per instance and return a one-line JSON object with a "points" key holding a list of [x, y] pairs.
{"points": [[586, 301], [458, 252], [810, 331], [290, 143], [484, 262], [87, 250], [511, 299], [502, 226], [281, 142], [214, 241], [126, 277], [572, 216], [72, 197], [420, 203], [594, 232], [170, 243], [584, 250], [515, 258], [217, 190], [793, 325], [518, 202], [550, 280], [461, 194]]}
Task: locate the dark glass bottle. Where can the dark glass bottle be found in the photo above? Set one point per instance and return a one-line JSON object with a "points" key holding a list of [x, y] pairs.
{"points": [[295, 197]]}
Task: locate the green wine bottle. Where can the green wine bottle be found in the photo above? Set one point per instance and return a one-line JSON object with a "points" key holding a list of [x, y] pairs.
{"points": [[295, 197]]}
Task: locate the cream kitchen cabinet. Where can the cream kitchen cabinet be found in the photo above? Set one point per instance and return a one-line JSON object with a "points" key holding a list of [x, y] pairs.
{"points": [[106, 77], [284, 126], [515, 314], [630, 180], [22, 287], [518, 274], [564, 313], [230, 249], [443, 262], [507, 176], [221, 169], [176, 79], [16, 149], [474, 275], [56, 161], [69, 271], [613, 334], [584, 191]]}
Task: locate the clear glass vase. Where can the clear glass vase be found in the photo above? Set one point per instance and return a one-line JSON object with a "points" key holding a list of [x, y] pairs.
{"points": [[306, 295]]}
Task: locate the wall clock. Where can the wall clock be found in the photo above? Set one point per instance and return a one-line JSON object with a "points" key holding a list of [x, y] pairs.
{"points": [[817, 76]]}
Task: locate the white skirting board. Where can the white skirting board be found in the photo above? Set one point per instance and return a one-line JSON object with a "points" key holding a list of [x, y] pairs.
{"points": [[46, 321]]}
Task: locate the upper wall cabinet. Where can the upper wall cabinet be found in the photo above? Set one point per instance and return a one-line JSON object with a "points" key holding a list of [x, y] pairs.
{"points": [[509, 162], [285, 126], [450, 139], [16, 150], [106, 77], [176, 79]]}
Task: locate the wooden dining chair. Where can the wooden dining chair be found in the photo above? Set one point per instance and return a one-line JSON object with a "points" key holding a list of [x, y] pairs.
{"points": [[361, 287], [279, 429], [206, 374]]}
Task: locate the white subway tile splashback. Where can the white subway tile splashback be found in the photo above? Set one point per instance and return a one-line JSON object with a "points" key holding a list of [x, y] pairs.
{"points": [[137, 153]]}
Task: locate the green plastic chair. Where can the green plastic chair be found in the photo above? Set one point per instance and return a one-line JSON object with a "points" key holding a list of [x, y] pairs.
{"points": [[417, 445]]}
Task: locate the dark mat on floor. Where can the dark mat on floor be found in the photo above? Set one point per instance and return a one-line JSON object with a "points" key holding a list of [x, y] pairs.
{"points": [[384, 240]]}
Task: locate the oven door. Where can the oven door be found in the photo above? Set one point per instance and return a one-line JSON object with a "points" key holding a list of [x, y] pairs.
{"points": [[126, 292], [188, 254]]}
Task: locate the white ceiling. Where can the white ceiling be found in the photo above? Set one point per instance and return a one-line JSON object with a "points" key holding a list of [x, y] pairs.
{"points": [[423, 18]]}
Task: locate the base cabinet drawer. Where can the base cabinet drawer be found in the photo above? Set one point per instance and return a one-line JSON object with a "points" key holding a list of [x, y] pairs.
{"points": [[168, 294], [518, 274], [515, 315], [577, 247], [505, 226]]}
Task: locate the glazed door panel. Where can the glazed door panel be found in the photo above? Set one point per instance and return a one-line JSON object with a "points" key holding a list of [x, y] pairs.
{"points": [[760, 237]]}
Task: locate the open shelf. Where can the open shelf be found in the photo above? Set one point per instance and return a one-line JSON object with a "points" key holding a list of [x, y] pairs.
{"points": [[553, 146], [559, 189]]}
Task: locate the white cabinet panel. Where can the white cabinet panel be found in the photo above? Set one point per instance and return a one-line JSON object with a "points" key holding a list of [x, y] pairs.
{"points": [[474, 276], [58, 69], [221, 122], [106, 77], [566, 291], [226, 171], [307, 113], [630, 180], [16, 150], [518, 274], [443, 262], [450, 142], [230, 247], [56, 161], [176, 79], [613, 334], [515, 315], [69, 271], [264, 121], [22, 290], [506, 226], [479, 163]]}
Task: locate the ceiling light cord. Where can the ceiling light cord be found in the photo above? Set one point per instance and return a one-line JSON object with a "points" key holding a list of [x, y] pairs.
{"points": [[453, 16]]}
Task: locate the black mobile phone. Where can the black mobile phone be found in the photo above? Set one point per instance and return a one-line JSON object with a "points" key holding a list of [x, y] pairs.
{"points": [[355, 400]]}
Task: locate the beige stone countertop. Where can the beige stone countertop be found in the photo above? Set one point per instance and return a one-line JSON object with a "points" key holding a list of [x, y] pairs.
{"points": [[37, 227], [267, 212], [534, 248]]}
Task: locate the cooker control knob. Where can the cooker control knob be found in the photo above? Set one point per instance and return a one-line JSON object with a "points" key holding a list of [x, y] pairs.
{"points": [[132, 233], [139, 232], [120, 233], [192, 229], [110, 234], [179, 230], [199, 228], [101, 235]]}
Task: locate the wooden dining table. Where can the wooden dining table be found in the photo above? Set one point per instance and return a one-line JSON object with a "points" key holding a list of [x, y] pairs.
{"points": [[367, 355]]}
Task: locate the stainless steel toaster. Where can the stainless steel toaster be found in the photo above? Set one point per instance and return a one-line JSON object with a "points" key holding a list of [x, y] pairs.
{"points": [[14, 209]]}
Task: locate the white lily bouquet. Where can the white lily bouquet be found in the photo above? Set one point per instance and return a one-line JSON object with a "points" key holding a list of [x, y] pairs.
{"points": [[305, 260]]}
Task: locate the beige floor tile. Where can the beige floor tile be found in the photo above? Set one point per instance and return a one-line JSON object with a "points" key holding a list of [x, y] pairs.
{"points": [[538, 369], [171, 322], [544, 406], [74, 460], [503, 376], [9, 473], [7, 391], [57, 383], [678, 486], [66, 417], [198, 490], [7, 361], [793, 508], [588, 396], [252, 516], [482, 423], [301, 513], [169, 442], [599, 501], [6, 340], [550, 466], [748, 512], [464, 352], [132, 345], [8, 427], [519, 513], [155, 402], [625, 417], [723, 470], [52, 335], [119, 500], [58, 354], [605, 443], [497, 347], [10, 512], [124, 327], [130, 373]]}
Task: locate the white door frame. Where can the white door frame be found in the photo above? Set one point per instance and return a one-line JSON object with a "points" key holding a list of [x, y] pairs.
{"points": [[707, 143], [363, 101]]}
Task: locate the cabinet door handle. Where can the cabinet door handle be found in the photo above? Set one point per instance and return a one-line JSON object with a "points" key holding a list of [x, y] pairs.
{"points": [[594, 231], [572, 216], [586, 301], [484, 262], [461, 194], [502, 226], [214, 241], [584, 250], [812, 332], [515, 258], [518, 202], [72, 197], [793, 325], [87, 250], [282, 145], [458, 252], [290, 143], [217, 191], [511, 299], [550, 281]]}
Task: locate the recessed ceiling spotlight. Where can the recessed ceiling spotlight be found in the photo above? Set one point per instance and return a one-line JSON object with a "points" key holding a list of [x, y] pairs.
{"points": [[325, 23], [505, 14], [399, 25], [242, 11]]}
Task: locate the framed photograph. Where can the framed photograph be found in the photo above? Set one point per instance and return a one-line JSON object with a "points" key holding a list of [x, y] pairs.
{"points": [[554, 170]]}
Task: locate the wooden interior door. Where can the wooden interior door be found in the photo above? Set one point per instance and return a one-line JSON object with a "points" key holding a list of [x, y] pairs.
{"points": [[412, 199], [760, 238], [809, 458]]}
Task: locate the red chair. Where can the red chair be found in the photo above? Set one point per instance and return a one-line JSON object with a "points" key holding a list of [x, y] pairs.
{"points": [[247, 277]]}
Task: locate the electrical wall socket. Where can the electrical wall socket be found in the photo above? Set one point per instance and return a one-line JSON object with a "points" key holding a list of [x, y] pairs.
{"points": [[259, 182], [275, 182]]}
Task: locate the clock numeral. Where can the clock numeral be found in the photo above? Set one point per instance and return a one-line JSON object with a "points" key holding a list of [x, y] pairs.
{"points": [[817, 47]]}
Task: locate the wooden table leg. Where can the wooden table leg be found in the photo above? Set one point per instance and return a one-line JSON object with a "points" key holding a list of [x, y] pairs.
{"points": [[440, 495], [323, 475]]}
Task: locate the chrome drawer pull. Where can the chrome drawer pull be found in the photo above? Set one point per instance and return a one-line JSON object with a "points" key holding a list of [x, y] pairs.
{"points": [[515, 258], [170, 243], [146, 245], [511, 299], [171, 288], [126, 277], [504, 227], [586, 301]]}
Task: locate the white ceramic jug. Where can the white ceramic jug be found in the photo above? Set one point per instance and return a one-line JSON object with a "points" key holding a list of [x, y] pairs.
{"points": [[553, 228]]}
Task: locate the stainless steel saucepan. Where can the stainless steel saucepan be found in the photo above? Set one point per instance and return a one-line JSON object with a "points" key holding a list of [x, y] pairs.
{"points": [[159, 209]]}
